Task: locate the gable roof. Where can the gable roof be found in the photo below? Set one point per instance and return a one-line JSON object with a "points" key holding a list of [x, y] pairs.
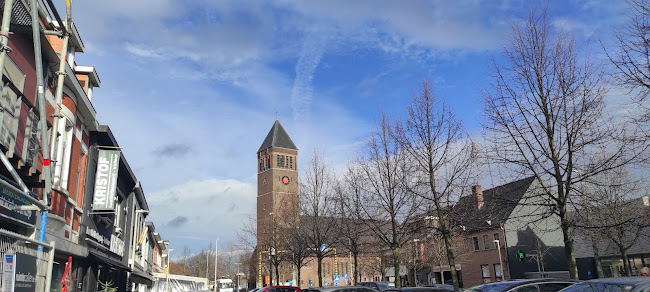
{"points": [[277, 137], [499, 202]]}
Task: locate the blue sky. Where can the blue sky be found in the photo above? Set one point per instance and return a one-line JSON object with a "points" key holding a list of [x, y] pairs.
{"points": [[191, 88]]}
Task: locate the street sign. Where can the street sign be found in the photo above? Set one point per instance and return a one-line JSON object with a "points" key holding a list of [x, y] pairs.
{"points": [[345, 276], [311, 282], [290, 283], [323, 248], [337, 280]]}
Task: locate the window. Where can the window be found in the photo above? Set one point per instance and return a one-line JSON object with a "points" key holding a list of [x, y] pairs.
{"points": [[10, 104], [268, 161], [486, 241], [468, 244], [552, 287], [476, 246], [527, 288], [62, 153], [290, 162], [280, 161], [497, 272], [485, 271], [496, 237]]}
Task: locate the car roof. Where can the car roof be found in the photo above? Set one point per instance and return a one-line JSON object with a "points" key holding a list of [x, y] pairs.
{"points": [[621, 280]]}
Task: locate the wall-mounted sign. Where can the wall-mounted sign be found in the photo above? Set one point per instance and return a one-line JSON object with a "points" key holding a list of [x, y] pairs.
{"points": [[8, 272], [108, 164], [25, 273], [117, 245], [10, 198]]}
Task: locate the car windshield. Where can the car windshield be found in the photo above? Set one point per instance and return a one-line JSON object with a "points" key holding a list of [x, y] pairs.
{"points": [[493, 287], [598, 287]]}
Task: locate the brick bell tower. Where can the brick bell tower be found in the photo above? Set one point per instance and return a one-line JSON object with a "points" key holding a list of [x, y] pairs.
{"points": [[277, 184]]}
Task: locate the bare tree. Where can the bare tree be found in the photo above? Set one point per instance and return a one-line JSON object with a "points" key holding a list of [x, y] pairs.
{"points": [[441, 156], [354, 234], [632, 57], [612, 208], [317, 200], [546, 117], [388, 208], [298, 248]]}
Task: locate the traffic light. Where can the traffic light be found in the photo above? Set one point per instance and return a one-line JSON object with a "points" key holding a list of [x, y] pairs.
{"points": [[521, 255]]}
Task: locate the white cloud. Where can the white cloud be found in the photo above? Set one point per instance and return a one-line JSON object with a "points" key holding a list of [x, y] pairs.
{"points": [[208, 207]]}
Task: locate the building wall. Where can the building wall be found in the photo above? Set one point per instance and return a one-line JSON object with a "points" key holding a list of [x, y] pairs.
{"points": [[475, 260], [530, 230]]}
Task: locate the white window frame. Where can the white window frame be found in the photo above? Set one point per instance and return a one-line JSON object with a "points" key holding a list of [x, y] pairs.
{"points": [[63, 152]]}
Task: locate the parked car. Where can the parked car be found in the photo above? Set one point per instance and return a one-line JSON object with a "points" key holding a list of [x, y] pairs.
{"points": [[444, 286], [380, 286], [527, 285], [429, 288], [631, 284], [279, 289], [340, 289]]}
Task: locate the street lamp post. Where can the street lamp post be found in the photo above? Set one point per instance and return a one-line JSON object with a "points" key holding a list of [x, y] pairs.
{"points": [[500, 259], [216, 261], [237, 289], [169, 255]]}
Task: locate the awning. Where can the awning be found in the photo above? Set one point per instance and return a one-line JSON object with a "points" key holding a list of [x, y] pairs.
{"points": [[104, 257], [138, 276]]}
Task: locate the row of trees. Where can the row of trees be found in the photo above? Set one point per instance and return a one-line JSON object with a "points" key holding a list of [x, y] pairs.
{"points": [[545, 115]]}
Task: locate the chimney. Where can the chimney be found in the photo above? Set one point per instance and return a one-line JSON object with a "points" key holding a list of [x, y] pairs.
{"points": [[477, 192]]}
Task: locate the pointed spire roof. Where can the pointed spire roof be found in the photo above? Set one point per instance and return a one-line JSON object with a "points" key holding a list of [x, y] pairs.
{"points": [[277, 137]]}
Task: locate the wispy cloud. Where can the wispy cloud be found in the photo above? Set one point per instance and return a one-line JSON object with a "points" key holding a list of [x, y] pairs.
{"points": [[302, 91], [173, 150], [178, 221]]}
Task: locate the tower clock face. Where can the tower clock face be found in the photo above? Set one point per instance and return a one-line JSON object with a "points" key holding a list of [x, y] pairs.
{"points": [[285, 180]]}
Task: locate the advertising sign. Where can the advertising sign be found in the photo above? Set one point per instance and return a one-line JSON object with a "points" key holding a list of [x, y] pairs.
{"points": [[25, 273], [108, 164], [8, 271], [10, 198]]}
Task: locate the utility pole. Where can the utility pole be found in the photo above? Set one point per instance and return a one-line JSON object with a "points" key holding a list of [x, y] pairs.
{"points": [[500, 259]]}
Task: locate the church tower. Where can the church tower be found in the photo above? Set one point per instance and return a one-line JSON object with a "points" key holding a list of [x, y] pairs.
{"points": [[277, 184]]}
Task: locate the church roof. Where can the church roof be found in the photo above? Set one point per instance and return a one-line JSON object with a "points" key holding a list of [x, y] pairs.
{"points": [[277, 137]]}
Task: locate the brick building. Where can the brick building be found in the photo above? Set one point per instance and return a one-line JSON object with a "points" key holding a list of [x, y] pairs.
{"points": [[512, 218]]}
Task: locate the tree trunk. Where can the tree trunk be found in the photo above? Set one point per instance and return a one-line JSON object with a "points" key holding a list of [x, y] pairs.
{"points": [[277, 274], [446, 234], [398, 282], [320, 269], [270, 271], [356, 273], [568, 249], [599, 266], [626, 261], [298, 281]]}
